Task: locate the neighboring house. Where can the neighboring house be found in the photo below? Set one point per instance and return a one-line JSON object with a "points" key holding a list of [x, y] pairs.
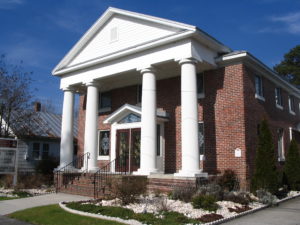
{"points": [[167, 98], [40, 139]]}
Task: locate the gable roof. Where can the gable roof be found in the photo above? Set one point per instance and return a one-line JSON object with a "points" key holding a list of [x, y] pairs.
{"points": [[181, 31], [40, 125], [127, 109]]}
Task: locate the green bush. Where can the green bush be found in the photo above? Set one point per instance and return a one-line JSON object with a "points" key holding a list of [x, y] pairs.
{"points": [[207, 202], [21, 194], [229, 180], [292, 167], [46, 166], [265, 174]]}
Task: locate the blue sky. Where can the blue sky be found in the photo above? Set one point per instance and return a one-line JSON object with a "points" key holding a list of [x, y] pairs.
{"points": [[41, 32]]}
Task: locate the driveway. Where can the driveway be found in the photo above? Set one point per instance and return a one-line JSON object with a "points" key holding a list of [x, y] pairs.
{"points": [[10, 206], [287, 213]]}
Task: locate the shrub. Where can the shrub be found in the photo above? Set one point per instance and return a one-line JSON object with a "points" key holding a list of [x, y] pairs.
{"points": [[266, 197], [128, 188], [207, 202], [46, 166], [265, 174], [21, 194], [183, 193], [292, 167], [229, 180], [237, 197], [211, 189]]}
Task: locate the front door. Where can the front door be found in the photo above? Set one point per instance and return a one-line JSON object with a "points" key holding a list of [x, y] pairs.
{"points": [[128, 150]]}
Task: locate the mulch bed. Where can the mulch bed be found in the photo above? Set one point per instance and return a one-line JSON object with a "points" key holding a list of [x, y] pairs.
{"points": [[210, 217]]}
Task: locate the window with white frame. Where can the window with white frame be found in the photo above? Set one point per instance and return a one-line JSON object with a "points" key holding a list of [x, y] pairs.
{"points": [[278, 97], [259, 92], [200, 85], [280, 144], [201, 138], [104, 101], [45, 153], [36, 150], [104, 142], [291, 104]]}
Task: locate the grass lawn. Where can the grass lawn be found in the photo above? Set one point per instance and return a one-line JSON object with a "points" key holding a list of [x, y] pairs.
{"points": [[54, 215], [2, 198]]}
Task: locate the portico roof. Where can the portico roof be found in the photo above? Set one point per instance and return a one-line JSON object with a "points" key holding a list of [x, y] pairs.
{"points": [[158, 32], [127, 109]]}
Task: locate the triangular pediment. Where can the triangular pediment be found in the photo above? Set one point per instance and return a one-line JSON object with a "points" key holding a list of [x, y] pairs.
{"points": [[118, 31]]}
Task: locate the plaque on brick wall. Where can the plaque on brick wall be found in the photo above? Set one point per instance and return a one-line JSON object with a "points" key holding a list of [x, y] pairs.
{"points": [[238, 152]]}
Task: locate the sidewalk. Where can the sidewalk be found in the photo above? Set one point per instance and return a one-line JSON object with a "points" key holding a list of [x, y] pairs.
{"points": [[287, 213], [10, 206]]}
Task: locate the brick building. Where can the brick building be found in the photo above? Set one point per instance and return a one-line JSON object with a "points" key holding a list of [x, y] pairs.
{"points": [[168, 100]]}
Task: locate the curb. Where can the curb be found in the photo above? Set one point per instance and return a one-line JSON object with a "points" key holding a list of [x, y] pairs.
{"points": [[248, 212], [99, 216]]}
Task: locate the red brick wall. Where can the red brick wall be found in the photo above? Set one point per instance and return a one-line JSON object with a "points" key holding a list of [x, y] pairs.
{"points": [[230, 113], [257, 110]]}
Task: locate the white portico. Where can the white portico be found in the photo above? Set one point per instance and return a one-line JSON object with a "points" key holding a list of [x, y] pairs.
{"points": [[125, 48]]}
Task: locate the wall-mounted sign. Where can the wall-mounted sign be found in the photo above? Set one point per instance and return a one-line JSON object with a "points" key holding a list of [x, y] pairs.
{"points": [[238, 152]]}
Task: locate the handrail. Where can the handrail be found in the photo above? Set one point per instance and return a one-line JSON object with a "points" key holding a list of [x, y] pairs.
{"points": [[114, 167], [75, 166]]}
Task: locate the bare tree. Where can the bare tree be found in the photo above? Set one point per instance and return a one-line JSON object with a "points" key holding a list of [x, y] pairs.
{"points": [[15, 99]]}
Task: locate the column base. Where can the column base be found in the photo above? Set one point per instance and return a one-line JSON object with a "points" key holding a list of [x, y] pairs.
{"points": [[145, 172], [194, 173]]}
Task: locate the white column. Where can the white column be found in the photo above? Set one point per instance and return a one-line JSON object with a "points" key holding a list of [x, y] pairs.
{"points": [[148, 123], [91, 125], [190, 164], [66, 142]]}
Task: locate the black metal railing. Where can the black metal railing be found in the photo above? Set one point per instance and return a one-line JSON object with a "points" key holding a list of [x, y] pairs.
{"points": [[104, 175], [72, 170]]}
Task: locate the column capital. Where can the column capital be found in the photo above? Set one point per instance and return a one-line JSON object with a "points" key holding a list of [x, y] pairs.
{"points": [[149, 69], [91, 83], [69, 88], [188, 60]]}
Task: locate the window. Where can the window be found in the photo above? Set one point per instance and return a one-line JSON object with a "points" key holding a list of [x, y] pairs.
{"points": [[158, 147], [45, 152], [278, 98], [201, 138], [139, 94], [104, 142], [104, 101], [259, 88], [36, 150], [200, 85], [292, 104], [130, 118], [280, 144]]}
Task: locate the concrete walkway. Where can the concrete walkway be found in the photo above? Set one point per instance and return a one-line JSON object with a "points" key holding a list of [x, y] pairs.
{"points": [[287, 213], [10, 206]]}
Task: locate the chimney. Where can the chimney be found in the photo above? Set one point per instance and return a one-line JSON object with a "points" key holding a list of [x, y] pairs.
{"points": [[37, 106]]}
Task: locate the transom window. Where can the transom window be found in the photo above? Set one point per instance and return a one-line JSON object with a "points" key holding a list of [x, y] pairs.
{"points": [[278, 96], [130, 118], [259, 87]]}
